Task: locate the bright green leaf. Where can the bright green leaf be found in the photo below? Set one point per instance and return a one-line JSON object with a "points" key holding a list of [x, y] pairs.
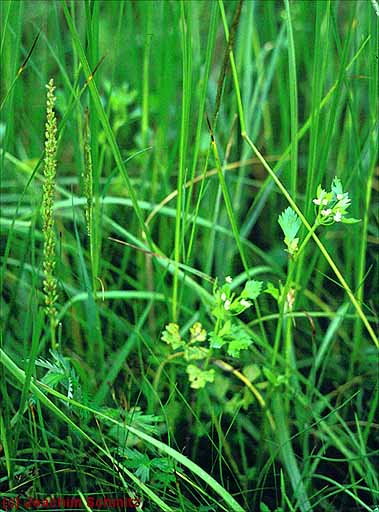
{"points": [[252, 372], [172, 336], [195, 353], [215, 340], [350, 220], [226, 329], [337, 186], [240, 341], [198, 333], [290, 223], [252, 290], [199, 378], [272, 290], [143, 473]]}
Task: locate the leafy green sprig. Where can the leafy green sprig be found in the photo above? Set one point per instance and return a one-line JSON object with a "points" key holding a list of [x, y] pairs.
{"points": [[228, 333], [227, 306], [330, 207]]}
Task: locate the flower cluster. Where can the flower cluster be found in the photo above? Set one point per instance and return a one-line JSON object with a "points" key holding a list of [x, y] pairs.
{"points": [[332, 206], [228, 301]]}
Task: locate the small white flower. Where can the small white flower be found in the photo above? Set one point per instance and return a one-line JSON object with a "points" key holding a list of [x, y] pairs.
{"points": [[325, 201], [227, 304], [317, 201], [228, 279], [245, 303], [326, 212], [339, 197], [337, 217], [223, 297]]}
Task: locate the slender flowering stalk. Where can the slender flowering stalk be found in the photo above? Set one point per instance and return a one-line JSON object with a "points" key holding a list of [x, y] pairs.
{"points": [[87, 176], [50, 283]]}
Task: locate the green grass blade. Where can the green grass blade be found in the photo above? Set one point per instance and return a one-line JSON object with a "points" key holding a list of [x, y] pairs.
{"points": [[211, 482]]}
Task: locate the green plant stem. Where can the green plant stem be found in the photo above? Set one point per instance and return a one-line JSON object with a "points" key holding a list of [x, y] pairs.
{"points": [[53, 325], [159, 371], [234, 69], [293, 100], [283, 297], [186, 97], [228, 205], [145, 79], [288, 455], [227, 367]]}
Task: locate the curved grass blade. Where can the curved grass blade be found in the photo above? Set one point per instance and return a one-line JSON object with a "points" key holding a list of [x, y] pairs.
{"points": [[20, 376], [181, 459]]}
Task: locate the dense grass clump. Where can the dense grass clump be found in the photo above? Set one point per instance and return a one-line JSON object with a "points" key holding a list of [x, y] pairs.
{"points": [[189, 229]]}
